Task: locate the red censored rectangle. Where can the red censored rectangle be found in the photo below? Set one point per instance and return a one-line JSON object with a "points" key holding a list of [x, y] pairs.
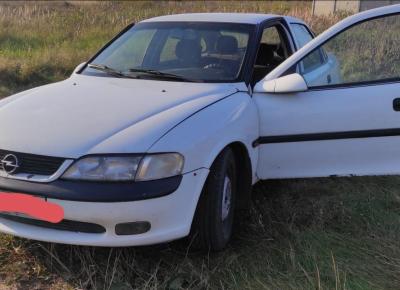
{"points": [[32, 206]]}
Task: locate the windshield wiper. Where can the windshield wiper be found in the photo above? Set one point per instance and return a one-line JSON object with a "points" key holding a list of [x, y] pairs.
{"points": [[108, 70], [161, 74], [119, 74]]}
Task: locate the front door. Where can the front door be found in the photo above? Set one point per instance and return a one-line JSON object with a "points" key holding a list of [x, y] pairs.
{"points": [[348, 121]]}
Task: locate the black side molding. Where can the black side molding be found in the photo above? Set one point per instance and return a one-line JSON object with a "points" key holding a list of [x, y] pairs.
{"points": [[94, 191], [327, 136]]}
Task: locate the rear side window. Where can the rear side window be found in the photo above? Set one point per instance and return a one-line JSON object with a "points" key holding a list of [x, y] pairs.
{"points": [[302, 34]]}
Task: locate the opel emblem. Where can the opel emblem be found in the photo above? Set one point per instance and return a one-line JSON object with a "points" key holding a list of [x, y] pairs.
{"points": [[9, 163]]}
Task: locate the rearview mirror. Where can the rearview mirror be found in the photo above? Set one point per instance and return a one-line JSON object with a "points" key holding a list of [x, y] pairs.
{"points": [[287, 84]]}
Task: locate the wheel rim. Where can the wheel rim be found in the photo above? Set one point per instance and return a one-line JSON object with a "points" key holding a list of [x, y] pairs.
{"points": [[226, 198]]}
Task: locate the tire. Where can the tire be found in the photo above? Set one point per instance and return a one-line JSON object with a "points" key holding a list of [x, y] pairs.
{"points": [[213, 220]]}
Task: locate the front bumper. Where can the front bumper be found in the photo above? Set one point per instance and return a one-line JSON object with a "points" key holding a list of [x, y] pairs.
{"points": [[94, 191], [170, 216]]}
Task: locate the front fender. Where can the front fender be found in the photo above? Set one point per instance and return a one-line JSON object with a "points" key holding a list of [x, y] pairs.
{"points": [[201, 137]]}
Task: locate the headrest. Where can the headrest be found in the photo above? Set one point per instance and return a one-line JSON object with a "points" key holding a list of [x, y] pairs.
{"points": [[188, 49], [227, 45], [265, 54]]}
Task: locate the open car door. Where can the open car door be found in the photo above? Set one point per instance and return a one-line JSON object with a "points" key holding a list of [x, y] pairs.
{"points": [[333, 107]]}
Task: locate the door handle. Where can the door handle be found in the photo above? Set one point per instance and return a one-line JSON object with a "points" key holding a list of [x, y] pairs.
{"points": [[396, 104]]}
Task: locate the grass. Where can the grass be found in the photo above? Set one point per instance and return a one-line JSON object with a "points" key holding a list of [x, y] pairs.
{"points": [[338, 233], [299, 234]]}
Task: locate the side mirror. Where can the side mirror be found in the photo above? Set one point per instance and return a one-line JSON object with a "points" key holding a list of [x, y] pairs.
{"points": [[292, 83], [78, 68]]}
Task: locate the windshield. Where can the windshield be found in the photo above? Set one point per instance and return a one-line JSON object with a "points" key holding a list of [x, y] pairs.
{"points": [[192, 51]]}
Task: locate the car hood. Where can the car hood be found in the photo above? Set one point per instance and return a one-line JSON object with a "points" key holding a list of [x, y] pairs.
{"points": [[90, 115]]}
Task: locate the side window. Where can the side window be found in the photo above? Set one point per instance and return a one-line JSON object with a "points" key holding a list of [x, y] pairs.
{"points": [[272, 51], [313, 61], [271, 36], [301, 34], [366, 52]]}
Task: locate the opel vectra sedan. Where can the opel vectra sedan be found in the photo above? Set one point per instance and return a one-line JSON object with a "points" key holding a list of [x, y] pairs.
{"points": [[163, 132]]}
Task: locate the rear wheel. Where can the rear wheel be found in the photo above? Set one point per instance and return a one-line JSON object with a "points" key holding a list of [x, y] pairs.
{"points": [[213, 221]]}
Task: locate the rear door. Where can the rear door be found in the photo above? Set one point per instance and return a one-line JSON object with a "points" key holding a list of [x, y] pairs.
{"points": [[348, 121]]}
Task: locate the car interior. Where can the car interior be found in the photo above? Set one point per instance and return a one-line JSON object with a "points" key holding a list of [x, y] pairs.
{"points": [[272, 51], [222, 56], [217, 54]]}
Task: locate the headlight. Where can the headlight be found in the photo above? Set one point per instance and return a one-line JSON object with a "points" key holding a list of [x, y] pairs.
{"points": [[159, 166], [126, 168]]}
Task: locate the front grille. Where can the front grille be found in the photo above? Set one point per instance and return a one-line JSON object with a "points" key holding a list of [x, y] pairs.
{"points": [[35, 164], [64, 225]]}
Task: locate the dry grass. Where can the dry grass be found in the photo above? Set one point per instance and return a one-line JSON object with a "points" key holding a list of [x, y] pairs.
{"points": [[300, 234]]}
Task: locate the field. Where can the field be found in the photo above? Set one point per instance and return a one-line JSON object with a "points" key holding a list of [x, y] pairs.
{"points": [[336, 233]]}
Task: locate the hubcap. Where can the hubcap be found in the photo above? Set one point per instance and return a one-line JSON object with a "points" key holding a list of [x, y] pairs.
{"points": [[226, 198]]}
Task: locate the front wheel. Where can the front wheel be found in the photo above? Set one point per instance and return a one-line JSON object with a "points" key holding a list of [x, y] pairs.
{"points": [[213, 221]]}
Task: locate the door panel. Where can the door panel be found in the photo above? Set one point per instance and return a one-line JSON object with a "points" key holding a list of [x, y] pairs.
{"points": [[345, 123], [335, 110], [330, 132]]}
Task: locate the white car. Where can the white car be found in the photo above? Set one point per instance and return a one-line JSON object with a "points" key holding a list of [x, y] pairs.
{"points": [[164, 131]]}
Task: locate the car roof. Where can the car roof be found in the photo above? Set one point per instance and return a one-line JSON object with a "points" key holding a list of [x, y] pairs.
{"points": [[245, 18]]}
